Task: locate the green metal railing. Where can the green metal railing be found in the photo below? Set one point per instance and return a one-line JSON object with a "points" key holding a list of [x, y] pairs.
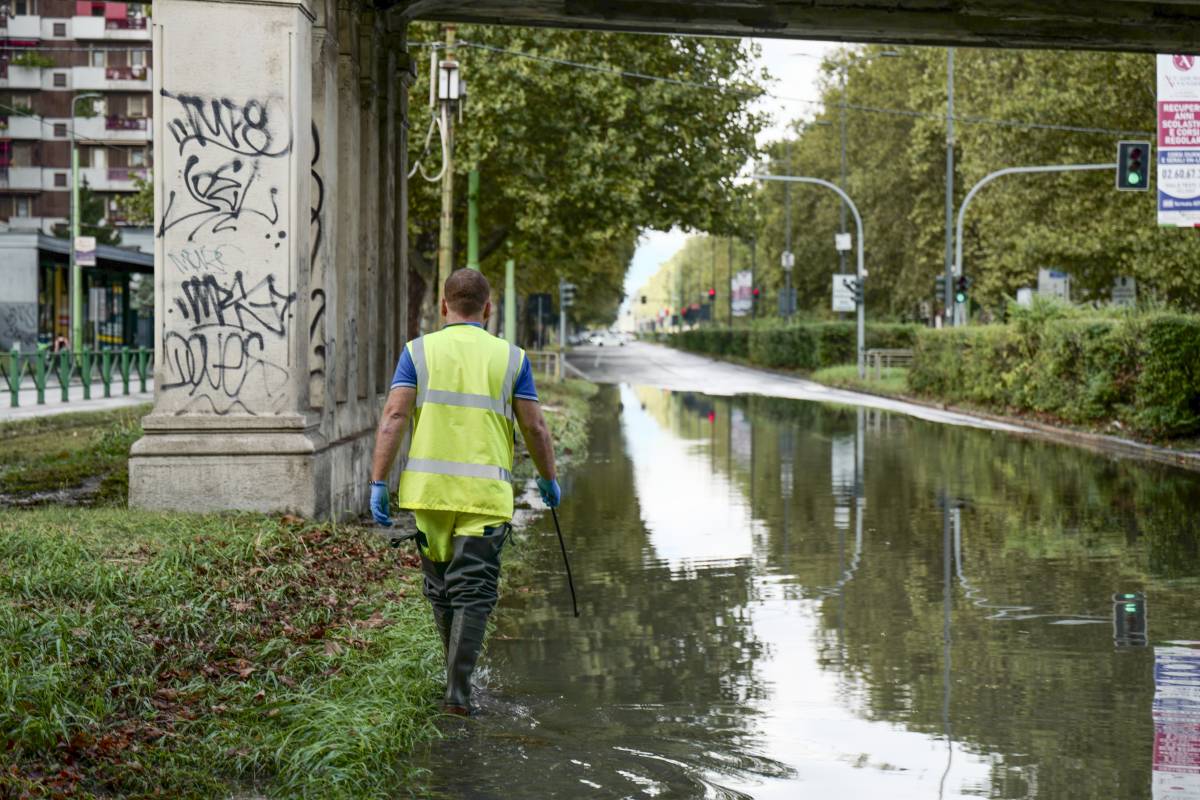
{"points": [[77, 370]]}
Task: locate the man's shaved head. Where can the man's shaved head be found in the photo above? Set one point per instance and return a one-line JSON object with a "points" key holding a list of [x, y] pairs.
{"points": [[467, 292]]}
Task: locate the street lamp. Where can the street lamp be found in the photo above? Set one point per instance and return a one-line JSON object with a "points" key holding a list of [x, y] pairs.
{"points": [[76, 279]]}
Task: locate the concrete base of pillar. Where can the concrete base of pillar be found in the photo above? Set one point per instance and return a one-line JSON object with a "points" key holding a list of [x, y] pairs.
{"points": [[266, 464]]}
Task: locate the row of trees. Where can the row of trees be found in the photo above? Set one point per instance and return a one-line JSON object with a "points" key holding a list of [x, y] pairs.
{"points": [[1012, 108], [576, 155]]}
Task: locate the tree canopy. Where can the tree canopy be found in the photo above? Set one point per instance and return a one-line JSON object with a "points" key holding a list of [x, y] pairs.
{"points": [[577, 153], [1012, 108]]}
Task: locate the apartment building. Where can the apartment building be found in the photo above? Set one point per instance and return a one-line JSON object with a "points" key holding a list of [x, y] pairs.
{"points": [[53, 52]]}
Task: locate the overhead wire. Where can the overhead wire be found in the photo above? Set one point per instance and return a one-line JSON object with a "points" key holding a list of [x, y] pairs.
{"points": [[42, 120]]}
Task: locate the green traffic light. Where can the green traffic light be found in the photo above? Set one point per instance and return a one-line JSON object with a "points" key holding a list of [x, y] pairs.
{"points": [[1135, 177], [960, 297]]}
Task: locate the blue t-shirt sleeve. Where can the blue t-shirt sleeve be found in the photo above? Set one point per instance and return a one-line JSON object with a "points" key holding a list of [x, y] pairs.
{"points": [[525, 389], [406, 371]]}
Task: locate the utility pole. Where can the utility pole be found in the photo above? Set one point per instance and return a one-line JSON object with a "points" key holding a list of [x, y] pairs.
{"points": [[76, 274], [446, 233], [788, 258], [729, 281], [949, 312], [712, 300], [842, 179], [753, 273], [473, 220], [510, 301]]}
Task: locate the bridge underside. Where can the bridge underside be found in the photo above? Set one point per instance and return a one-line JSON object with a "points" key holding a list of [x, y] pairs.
{"points": [[1134, 25]]}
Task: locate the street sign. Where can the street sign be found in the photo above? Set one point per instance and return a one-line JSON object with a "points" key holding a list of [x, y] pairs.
{"points": [[1124, 292], [85, 251], [787, 259], [843, 242], [1025, 296], [741, 288], [843, 292], [1178, 140]]}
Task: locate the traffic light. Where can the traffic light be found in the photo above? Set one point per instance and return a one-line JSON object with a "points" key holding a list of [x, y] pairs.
{"points": [[1133, 166], [712, 295], [754, 294], [566, 294], [962, 287], [939, 287], [1129, 619]]}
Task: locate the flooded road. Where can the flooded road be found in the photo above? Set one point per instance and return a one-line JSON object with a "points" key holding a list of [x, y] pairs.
{"points": [[785, 599]]}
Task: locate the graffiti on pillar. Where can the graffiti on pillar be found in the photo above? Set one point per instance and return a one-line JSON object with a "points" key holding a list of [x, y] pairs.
{"points": [[223, 185], [218, 346], [316, 326], [226, 337]]}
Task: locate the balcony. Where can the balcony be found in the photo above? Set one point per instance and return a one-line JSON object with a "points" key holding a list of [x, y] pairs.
{"points": [[21, 179], [21, 77], [112, 179], [119, 79], [26, 28], [125, 29], [15, 126], [113, 128]]}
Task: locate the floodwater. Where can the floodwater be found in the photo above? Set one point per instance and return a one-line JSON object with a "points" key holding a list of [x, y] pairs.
{"points": [[783, 599]]}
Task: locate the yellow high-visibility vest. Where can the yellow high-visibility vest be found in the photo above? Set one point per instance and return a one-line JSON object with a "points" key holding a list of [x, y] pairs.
{"points": [[461, 453]]}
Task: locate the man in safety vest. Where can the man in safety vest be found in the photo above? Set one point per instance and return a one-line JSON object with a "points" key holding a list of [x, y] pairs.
{"points": [[463, 388]]}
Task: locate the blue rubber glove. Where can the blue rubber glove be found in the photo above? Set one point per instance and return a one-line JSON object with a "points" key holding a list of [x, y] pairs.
{"points": [[379, 504], [551, 494]]}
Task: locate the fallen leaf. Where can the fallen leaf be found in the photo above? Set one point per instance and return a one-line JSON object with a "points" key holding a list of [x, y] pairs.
{"points": [[332, 648]]}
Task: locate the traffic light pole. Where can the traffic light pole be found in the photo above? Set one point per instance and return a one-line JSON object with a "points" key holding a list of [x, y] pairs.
{"points": [[860, 272], [962, 210]]}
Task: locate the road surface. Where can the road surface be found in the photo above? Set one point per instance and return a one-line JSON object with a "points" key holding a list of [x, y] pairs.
{"points": [[644, 364]]}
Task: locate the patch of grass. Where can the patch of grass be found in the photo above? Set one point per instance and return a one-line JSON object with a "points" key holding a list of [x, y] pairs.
{"points": [[150, 654], [892, 381], [63, 452], [566, 406]]}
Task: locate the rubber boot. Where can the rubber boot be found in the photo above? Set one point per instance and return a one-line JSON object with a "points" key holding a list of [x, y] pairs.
{"points": [[439, 599], [466, 640]]}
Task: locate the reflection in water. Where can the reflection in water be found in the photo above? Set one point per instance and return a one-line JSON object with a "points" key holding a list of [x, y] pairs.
{"points": [[769, 611]]}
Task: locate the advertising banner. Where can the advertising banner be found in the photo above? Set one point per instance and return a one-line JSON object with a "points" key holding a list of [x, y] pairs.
{"points": [[1179, 140], [1176, 712]]}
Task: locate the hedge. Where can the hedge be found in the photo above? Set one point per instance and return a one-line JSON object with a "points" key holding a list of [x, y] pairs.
{"points": [[804, 346], [1140, 370]]}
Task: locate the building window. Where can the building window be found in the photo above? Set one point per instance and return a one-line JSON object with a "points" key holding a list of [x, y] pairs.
{"points": [[137, 157], [99, 58], [137, 58], [24, 8], [60, 79], [137, 106], [60, 130], [22, 102], [60, 29], [21, 207], [60, 179]]}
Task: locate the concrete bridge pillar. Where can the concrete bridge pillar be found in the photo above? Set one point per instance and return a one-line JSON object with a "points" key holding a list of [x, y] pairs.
{"points": [[279, 219]]}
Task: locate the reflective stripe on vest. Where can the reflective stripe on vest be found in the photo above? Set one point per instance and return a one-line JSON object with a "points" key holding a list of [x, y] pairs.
{"points": [[458, 469], [502, 405]]}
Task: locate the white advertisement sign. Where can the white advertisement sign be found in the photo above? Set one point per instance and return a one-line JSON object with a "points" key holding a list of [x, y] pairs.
{"points": [[1179, 140], [85, 251], [741, 287]]}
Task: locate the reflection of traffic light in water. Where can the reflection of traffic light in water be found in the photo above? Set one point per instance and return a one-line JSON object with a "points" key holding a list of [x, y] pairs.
{"points": [[1129, 619]]}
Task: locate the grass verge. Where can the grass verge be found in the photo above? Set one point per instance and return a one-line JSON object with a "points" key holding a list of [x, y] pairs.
{"points": [[893, 381], [77, 458], [566, 406], [146, 654]]}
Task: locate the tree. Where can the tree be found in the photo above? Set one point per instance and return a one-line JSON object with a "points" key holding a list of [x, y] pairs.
{"points": [[575, 160], [92, 219], [138, 208]]}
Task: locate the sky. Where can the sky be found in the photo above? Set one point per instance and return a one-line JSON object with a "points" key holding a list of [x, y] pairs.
{"points": [[795, 66]]}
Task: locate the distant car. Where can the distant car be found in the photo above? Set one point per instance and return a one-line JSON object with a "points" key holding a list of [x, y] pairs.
{"points": [[596, 339]]}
